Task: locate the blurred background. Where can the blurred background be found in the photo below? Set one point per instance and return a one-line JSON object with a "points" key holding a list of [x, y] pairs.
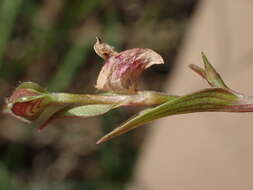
{"points": [[50, 42]]}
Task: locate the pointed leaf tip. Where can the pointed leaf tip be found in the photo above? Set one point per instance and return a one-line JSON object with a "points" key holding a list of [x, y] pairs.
{"points": [[208, 67], [209, 73], [99, 141], [198, 70]]}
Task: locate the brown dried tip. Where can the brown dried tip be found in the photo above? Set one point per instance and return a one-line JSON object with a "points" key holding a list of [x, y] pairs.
{"points": [[121, 71], [104, 50]]}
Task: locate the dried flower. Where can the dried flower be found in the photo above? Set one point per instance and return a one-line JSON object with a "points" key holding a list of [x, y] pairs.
{"points": [[121, 71]]}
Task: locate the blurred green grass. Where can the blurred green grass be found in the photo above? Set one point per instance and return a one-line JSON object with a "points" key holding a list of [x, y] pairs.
{"points": [[50, 42]]}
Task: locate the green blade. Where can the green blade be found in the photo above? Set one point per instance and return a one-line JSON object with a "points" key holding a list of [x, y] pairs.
{"points": [[87, 110], [215, 99]]}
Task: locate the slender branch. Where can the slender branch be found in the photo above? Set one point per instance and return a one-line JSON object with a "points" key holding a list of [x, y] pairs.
{"points": [[142, 98]]}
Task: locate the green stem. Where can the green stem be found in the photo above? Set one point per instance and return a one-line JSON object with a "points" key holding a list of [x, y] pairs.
{"points": [[142, 98]]}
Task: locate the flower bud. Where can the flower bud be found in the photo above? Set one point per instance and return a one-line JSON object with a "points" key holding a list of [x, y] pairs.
{"points": [[121, 71], [27, 101]]}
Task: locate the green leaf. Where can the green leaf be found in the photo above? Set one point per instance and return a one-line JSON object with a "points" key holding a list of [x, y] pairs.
{"points": [[214, 99], [209, 73], [49, 114], [58, 111], [32, 86], [87, 110]]}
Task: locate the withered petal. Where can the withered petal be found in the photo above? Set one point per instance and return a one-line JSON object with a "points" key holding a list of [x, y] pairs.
{"points": [[121, 71]]}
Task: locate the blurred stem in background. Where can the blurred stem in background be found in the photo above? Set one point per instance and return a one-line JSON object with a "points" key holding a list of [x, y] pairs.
{"points": [[8, 12], [75, 57], [78, 52]]}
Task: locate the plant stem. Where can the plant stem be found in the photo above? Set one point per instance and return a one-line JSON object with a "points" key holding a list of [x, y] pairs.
{"points": [[142, 98]]}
